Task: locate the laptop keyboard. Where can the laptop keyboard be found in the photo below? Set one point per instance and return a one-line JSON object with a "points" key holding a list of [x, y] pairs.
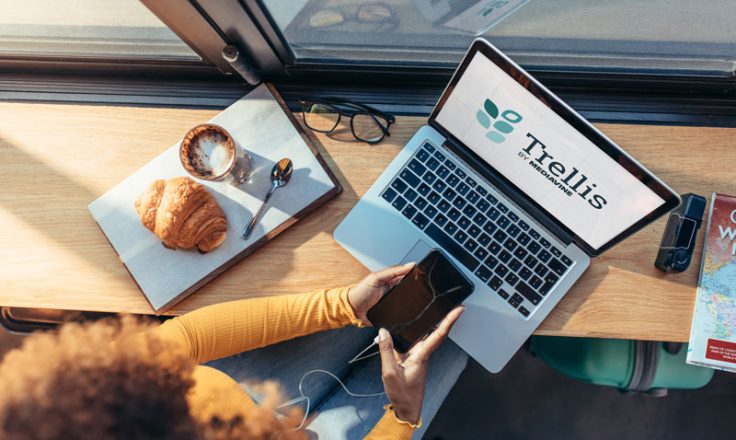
{"points": [[488, 237]]}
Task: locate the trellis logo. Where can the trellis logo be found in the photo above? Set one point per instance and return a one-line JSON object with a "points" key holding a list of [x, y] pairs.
{"points": [[501, 127]]}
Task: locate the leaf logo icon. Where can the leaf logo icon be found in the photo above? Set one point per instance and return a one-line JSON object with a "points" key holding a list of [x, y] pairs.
{"points": [[488, 117]]}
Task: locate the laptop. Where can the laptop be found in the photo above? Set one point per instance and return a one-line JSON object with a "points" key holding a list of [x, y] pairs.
{"points": [[516, 188]]}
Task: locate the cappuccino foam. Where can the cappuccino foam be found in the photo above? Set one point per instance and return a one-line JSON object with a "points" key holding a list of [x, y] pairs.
{"points": [[210, 155]]}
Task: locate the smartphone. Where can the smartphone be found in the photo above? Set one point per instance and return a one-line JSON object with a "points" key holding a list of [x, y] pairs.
{"points": [[415, 306]]}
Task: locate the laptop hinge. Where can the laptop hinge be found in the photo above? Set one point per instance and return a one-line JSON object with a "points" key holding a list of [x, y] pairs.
{"points": [[516, 196]]}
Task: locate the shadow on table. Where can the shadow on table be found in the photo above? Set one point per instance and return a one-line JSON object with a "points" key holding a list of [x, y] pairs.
{"points": [[321, 220], [577, 296], [33, 188], [645, 247]]}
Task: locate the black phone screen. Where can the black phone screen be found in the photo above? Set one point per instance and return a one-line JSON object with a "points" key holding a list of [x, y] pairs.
{"points": [[421, 299]]}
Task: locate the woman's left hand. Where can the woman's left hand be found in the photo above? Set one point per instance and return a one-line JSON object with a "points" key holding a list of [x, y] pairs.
{"points": [[370, 289]]}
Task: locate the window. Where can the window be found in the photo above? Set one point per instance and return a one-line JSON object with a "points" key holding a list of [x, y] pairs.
{"points": [[656, 60], [87, 29], [674, 35]]}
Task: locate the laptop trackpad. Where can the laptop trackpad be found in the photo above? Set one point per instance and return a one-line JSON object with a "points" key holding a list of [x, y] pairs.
{"points": [[417, 253]]}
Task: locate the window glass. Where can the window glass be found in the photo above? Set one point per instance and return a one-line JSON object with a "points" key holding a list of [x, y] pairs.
{"points": [[87, 29], [670, 34]]}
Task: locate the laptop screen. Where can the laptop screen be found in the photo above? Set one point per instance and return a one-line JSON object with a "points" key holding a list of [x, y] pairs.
{"points": [[594, 193]]}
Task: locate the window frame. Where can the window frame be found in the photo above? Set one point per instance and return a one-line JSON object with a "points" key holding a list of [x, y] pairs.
{"points": [[656, 95]]}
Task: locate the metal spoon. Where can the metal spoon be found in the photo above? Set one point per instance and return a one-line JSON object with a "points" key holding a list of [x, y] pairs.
{"points": [[280, 175]]}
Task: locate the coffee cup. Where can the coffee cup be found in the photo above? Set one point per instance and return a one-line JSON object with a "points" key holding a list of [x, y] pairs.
{"points": [[209, 152]]}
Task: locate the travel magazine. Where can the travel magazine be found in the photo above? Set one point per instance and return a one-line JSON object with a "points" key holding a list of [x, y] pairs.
{"points": [[713, 332]]}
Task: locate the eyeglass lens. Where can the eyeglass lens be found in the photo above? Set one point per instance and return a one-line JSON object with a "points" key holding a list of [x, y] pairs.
{"points": [[368, 127], [321, 117]]}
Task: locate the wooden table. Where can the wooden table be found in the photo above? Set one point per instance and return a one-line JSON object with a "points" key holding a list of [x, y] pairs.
{"points": [[55, 159]]}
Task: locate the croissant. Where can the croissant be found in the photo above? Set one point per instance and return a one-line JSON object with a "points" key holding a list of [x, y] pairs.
{"points": [[183, 214]]}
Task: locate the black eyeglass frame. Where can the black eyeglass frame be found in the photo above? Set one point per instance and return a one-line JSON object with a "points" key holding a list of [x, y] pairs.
{"points": [[359, 109]]}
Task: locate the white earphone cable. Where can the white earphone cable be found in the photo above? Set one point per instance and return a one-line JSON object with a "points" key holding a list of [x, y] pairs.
{"points": [[303, 397]]}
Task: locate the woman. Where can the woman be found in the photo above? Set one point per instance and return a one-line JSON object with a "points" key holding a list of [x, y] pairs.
{"points": [[145, 385]]}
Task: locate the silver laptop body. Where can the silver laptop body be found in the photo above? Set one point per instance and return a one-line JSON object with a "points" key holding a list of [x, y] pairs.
{"points": [[521, 261]]}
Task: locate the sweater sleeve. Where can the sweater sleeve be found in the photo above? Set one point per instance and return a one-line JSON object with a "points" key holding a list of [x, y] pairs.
{"points": [[230, 328], [390, 428]]}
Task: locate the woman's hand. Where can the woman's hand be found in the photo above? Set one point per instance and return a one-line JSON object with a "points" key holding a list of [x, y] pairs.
{"points": [[370, 289], [404, 375]]}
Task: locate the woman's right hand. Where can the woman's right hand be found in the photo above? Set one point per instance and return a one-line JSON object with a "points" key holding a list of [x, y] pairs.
{"points": [[404, 375]]}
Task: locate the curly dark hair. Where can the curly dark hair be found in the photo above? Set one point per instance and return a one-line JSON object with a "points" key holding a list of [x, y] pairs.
{"points": [[112, 380]]}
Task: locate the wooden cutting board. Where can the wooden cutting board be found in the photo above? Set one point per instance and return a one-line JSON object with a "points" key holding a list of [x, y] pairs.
{"points": [[260, 123]]}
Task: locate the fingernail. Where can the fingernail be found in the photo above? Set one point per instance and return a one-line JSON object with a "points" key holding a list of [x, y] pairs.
{"points": [[382, 334]]}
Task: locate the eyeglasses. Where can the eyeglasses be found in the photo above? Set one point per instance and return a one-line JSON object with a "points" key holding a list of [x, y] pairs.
{"points": [[366, 123], [378, 14]]}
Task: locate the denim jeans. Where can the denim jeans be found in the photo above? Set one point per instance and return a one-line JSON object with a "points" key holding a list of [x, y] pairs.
{"points": [[339, 415]]}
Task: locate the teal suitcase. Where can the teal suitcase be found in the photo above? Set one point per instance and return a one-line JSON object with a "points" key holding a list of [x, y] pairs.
{"points": [[631, 366]]}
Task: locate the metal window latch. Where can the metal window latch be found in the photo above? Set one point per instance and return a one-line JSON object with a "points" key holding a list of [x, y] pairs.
{"points": [[232, 55]]}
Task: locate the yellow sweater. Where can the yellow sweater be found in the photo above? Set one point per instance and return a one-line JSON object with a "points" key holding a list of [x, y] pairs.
{"points": [[230, 328]]}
